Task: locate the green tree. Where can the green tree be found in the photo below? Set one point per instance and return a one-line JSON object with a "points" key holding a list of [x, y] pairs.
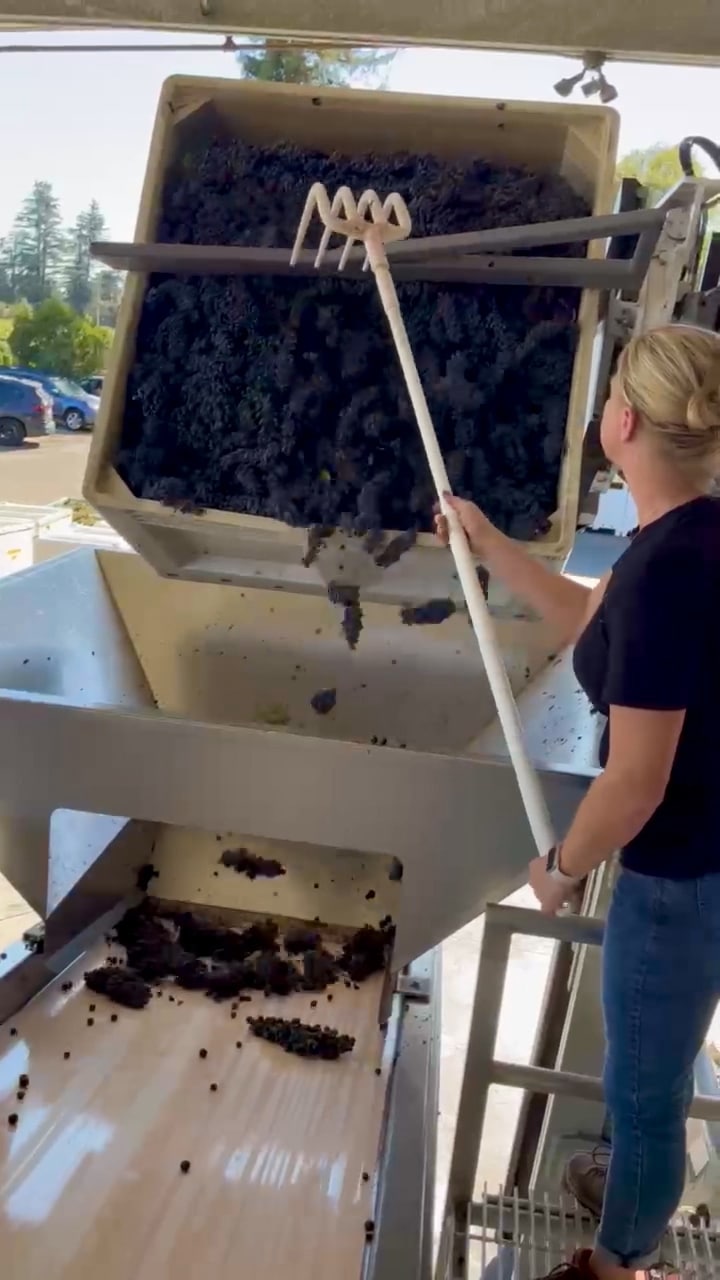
{"points": [[338, 66], [107, 287], [658, 170], [20, 310], [56, 338], [6, 355], [5, 286], [39, 243], [90, 225], [9, 269]]}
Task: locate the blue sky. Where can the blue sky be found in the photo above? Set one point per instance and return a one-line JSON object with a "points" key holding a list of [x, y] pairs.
{"points": [[83, 121]]}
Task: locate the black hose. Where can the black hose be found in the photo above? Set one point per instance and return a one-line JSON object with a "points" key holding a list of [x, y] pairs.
{"points": [[685, 150]]}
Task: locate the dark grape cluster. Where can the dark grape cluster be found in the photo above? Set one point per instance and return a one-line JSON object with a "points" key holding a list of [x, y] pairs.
{"points": [[395, 548], [323, 701], [368, 950], [283, 397], [429, 614], [251, 865], [201, 955], [301, 1038], [123, 986]]}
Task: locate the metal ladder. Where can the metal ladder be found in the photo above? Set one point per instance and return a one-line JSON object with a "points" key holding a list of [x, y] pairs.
{"points": [[509, 1236]]}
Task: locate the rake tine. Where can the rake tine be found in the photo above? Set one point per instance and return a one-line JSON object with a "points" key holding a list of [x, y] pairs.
{"points": [[305, 220], [347, 217], [368, 202], [344, 201]]}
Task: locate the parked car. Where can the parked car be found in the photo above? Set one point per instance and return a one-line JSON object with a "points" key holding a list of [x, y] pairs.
{"points": [[25, 410], [73, 408], [93, 385]]}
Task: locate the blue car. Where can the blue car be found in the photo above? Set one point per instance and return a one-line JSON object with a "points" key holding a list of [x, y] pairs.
{"points": [[73, 408]]}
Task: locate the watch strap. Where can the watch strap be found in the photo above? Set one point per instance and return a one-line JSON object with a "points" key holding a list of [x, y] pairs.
{"points": [[554, 870]]}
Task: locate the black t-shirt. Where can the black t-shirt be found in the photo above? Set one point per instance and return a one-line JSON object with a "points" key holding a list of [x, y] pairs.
{"points": [[654, 644]]}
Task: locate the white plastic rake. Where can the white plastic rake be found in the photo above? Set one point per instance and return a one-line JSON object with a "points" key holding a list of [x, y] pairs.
{"points": [[375, 223]]}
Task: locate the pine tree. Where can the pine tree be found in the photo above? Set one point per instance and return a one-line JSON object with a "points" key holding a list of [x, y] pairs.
{"points": [[107, 287], [89, 226], [367, 67], [8, 270], [38, 244]]}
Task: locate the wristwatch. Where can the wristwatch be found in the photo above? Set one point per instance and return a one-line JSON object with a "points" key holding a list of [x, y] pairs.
{"points": [[554, 870]]}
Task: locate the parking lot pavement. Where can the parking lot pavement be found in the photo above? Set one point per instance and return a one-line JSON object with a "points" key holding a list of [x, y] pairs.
{"points": [[42, 470]]}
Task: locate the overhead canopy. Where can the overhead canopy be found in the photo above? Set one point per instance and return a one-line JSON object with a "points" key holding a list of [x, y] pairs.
{"points": [[655, 30]]}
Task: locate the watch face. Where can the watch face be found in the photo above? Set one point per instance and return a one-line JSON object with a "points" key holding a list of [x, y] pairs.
{"points": [[552, 859]]}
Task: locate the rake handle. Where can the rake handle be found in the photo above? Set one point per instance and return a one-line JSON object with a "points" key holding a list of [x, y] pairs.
{"points": [[527, 779]]}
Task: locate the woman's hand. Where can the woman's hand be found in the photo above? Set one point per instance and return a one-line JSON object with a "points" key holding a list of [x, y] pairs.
{"points": [[562, 602], [551, 895], [478, 528]]}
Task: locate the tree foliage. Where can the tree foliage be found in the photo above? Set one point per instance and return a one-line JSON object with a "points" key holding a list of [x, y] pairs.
{"points": [[327, 67], [38, 243], [657, 168], [10, 283], [89, 226], [6, 284], [19, 310], [40, 259], [107, 287], [55, 337]]}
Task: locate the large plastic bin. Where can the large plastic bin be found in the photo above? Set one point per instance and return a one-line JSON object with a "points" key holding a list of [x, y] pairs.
{"points": [[576, 141]]}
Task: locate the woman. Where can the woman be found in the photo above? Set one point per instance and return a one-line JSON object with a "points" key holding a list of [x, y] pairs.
{"points": [[647, 654]]}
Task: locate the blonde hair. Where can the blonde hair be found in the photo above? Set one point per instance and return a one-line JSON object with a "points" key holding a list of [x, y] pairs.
{"points": [[671, 378]]}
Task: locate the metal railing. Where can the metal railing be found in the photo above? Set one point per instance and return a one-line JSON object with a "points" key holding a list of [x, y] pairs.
{"points": [[483, 1069]]}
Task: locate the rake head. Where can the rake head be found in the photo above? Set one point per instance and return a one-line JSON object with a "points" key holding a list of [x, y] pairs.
{"points": [[374, 221]]}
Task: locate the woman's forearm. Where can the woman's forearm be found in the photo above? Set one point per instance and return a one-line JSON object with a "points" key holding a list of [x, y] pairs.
{"points": [[562, 602], [612, 813]]}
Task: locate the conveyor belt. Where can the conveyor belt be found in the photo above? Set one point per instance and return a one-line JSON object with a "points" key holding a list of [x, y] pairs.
{"points": [[90, 1180]]}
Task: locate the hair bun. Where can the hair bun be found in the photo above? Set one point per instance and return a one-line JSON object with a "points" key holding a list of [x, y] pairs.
{"points": [[703, 411]]}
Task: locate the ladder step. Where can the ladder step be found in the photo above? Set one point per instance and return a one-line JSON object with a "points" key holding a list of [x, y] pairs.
{"points": [[523, 1238]]}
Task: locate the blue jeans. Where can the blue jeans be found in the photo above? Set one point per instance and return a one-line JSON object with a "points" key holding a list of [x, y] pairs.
{"points": [[661, 985]]}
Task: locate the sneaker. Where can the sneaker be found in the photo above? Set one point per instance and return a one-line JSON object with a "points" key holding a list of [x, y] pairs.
{"points": [[700, 1217], [584, 1178], [577, 1269]]}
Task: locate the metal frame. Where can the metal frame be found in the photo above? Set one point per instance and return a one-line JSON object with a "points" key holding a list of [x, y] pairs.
{"points": [[444, 259], [533, 1110], [404, 1202], [483, 1069], [466, 256], [81, 731], [223, 778], [23, 973], [677, 34], [663, 293], [571, 1124]]}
